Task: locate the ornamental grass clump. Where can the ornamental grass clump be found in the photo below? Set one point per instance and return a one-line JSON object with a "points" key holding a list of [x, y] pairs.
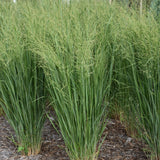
{"points": [[137, 74], [78, 68], [146, 80], [20, 86], [147, 109]]}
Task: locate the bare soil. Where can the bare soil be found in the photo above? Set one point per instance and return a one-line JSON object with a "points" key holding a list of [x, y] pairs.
{"points": [[117, 144]]}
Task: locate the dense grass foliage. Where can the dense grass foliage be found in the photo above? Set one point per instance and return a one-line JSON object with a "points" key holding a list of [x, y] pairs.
{"points": [[78, 68], [147, 108], [136, 81], [20, 87], [98, 60]]}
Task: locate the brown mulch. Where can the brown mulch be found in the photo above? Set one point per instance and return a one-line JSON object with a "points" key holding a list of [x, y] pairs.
{"points": [[117, 144]]}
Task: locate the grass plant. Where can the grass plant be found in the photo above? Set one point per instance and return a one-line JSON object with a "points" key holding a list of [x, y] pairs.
{"points": [[20, 86], [146, 82], [147, 109], [138, 79], [78, 68]]}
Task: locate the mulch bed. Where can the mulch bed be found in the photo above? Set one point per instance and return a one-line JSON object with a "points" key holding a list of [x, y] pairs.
{"points": [[117, 144]]}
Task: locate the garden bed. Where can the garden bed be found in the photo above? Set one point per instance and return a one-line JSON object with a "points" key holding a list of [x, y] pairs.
{"points": [[117, 144]]}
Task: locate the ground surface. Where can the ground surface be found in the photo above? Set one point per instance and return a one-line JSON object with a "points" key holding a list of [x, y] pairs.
{"points": [[117, 145]]}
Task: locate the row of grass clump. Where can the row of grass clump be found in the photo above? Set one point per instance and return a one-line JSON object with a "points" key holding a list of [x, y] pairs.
{"points": [[93, 60]]}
